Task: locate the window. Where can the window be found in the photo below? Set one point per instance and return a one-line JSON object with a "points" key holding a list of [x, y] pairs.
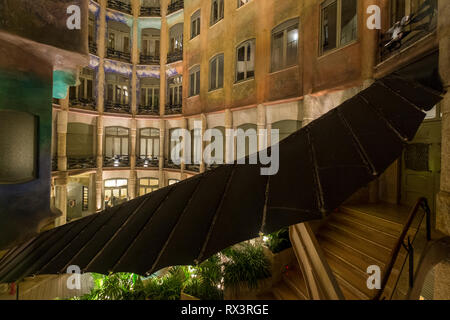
{"points": [[116, 142], [116, 192], [150, 94], [91, 32], [118, 36], [217, 8], [117, 89], [147, 185], [175, 90], [194, 81], [85, 198], [240, 3], [216, 72], [285, 45], [176, 38], [339, 22], [245, 61], [149, 143], [86, 87], [195, 24], [173, 181], [150, 42]]}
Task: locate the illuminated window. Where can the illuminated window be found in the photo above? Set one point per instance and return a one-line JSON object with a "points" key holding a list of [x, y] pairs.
{"points": [[147, 185], [339, 21], [116, 141], [150, 94], [173, 181], [149, 143], [150, 42], [175, 91], [245, 61], [116, 192], [117, 89], [285, 45], [85, 90], [216, 72]]}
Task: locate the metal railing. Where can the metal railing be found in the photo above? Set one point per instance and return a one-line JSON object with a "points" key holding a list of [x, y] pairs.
{"points": [[147, 59], [170, 165], [409, 30], [117, 107], [147, 162], [88, 104], [406, 242], [175, 56], [150, 12], [173, 109], [193, 167], [116, 161], [118, 55], [119, 6], [81, 163], [175, 5], [148, 110], [92, 47]]}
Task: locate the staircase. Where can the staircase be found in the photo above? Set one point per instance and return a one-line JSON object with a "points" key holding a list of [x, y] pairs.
{"points": [[352, 241]]}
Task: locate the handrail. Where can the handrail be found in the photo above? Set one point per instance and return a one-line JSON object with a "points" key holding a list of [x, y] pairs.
{"points": [[421, 203]]}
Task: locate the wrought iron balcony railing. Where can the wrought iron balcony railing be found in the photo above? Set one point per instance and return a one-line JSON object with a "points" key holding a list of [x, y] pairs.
{"points": [[175, 56], [170, 165], [119, 6], [88, 104], [148, 110], [81, 163], [119, 55], [175, 5], [150, 12], [173, 109], [114, 107], [92, 47], [147, 162], [193, 167], [409, 30], [116, 161], [146, 59]]}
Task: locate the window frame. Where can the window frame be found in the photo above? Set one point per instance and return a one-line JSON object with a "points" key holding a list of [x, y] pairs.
{"points": [[283, 28], [195, 19], [194, 71], [175, 91], [216, 59], [154, 137], [148, 186], [244, 44], [220, 12], [339, 45], [121, 141], [118, 85], [84, 78], [239, 5]]}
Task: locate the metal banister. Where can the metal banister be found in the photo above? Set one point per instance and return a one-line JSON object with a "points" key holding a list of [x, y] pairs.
{"points": [[422, 203]]}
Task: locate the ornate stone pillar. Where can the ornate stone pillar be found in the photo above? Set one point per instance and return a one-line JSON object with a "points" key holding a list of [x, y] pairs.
{"points": [[261, 125], [61, 129], [203, 144], [61, 198], [132, 181], [229, 137], [162, 143], [164, 48]]}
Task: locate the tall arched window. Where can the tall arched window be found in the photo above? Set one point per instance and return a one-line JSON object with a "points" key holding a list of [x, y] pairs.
{"points": [[195, 24], [285, 45], [216, 72], [149, 143], [245, 60], [116, 146]]}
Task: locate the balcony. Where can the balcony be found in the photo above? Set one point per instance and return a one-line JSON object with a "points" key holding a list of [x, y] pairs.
{"points": [[87, 104], [174, 109], [147, 162], [116, 162], [119, 6], [150, 12], [408, 31], [193, 167], [148, 110], [81, 163], [175, 56], [170, 165], [145, 59], [115, 107], [118, 55], [92, 47], [175, 5]]}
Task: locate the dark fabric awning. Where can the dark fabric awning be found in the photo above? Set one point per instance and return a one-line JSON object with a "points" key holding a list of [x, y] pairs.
{"points": [[321, 165]]}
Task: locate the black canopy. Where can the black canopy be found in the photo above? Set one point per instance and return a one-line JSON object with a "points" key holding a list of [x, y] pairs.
{"points": [[321, 165]]}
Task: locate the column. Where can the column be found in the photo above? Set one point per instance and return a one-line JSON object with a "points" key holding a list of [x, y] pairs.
{"points": [[135, 56], [132, 181], [203, 143], [229, 136], [61, 198], [61, 129], [162, 137], [442, 270], [184, 125], [261, 125], [164, 44], [101, 44]]}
